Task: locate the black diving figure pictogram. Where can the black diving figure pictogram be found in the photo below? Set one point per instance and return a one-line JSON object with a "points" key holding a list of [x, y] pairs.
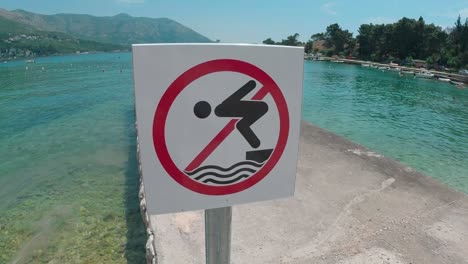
{"points": [[248, 111]]}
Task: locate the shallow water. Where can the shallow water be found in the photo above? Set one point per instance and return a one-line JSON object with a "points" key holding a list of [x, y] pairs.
{"points": [[68, 174], [422, 123]]}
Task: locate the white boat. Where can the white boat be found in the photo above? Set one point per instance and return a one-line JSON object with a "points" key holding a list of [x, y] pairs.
{"points": [[424, 75], [365, 65], [394, 69], [444, 79], [456, 83], [337, 61], [407, 72], [30, 61], [384, 68], [374, 66]]}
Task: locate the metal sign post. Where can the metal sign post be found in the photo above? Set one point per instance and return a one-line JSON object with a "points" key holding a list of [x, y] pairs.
{"points": [[218, 235]]}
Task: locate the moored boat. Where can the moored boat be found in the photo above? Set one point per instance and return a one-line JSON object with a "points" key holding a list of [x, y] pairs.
{"points": [[444, 79], [426, 75], [407, 72], [457, 83]]}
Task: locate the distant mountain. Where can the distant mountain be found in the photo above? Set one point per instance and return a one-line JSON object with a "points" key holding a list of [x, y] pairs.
{"points": [[10, 26], [20, 40], [121, 29]]}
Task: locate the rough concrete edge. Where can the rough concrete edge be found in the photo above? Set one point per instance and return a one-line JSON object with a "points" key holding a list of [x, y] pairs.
{"points": [[150, 246], [386, 165]]}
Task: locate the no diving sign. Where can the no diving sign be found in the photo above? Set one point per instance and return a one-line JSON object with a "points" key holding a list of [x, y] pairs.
{"points": [[218, 125]]}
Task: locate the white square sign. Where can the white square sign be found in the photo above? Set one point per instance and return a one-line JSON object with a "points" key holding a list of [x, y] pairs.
{"points": [[218, 124]]}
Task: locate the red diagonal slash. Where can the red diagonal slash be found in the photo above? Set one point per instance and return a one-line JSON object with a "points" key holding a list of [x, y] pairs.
{"points": [[222, 135]]}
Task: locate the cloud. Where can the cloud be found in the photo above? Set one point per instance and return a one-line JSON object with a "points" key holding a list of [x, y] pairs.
{"points": [[380, 20], [328, 8], [131, 1]]}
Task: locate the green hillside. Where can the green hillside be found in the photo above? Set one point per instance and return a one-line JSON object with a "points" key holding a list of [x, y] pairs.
{"points": [[120, 29], [21, 40], [9, 26]]}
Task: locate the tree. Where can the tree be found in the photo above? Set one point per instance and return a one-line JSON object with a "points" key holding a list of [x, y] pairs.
{"points": [[318, 36], [337, 38], [291, 40], [400, 42], [407, 38], [433, 42], [268, 41], [366, 41], [308, 47], [455, 49]]}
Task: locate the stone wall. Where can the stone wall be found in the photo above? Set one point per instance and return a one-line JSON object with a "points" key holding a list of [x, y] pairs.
{"points": [[150, 246]]}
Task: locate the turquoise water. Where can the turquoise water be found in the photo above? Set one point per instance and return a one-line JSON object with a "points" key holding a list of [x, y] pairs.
{"points": [[422, 123], [68, 174]]}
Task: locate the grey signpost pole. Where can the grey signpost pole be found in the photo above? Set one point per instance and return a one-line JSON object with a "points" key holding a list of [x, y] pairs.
{"points": [[218, 235]]}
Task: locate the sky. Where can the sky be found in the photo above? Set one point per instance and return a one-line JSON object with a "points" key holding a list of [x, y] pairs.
{"points": [[252, 21]]}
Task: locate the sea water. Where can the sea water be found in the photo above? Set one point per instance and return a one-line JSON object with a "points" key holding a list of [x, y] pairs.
{"points": [[68, 173], [419, 122]]}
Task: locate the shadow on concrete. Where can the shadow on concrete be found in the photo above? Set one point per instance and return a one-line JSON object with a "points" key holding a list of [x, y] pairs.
{"points": [[136, 231]]}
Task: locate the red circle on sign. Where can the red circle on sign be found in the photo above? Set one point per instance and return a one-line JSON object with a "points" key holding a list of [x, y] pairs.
{"points": [[179, 84]]}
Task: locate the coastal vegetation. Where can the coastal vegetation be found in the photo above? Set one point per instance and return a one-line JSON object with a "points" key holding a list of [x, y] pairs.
{"points": [[401, 42]]}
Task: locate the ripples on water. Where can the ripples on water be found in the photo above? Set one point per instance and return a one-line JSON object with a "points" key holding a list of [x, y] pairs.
{"points": [[422, 123], [68, 175]]}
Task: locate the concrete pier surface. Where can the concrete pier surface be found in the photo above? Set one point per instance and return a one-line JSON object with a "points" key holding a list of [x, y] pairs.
{"points": [[351, 206]]}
